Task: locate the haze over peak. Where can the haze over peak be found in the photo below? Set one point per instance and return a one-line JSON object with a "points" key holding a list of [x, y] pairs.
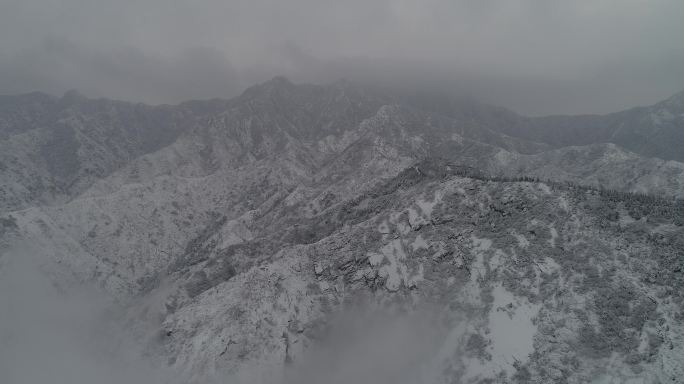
{"points": [[537, 58]]}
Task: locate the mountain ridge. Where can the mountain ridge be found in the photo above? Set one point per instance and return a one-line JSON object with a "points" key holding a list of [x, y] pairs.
{"points": [[233, 233]]}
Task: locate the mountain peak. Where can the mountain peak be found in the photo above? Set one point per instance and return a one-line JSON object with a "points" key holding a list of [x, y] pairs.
{"points": [[280, 81], [668, 109], [72, 96], [676, 100], [275, 85], [342, 83]]}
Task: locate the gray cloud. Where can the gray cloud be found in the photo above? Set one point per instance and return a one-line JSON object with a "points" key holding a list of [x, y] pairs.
{"points": [[63, 336], [536, 56], [127, 73]]}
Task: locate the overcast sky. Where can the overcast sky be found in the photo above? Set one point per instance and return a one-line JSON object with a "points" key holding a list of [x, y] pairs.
{"points": [[534, 56]]}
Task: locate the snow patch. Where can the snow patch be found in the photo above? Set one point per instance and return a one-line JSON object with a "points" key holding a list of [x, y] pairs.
{"points": [[522, 241], [427, 206], [417, 277], [415, 218], [384, 227], [504, 157], [554, 236], [392, 269], [661, 116], [545, 188], [481, 245], [511, 328], [419, 243]]}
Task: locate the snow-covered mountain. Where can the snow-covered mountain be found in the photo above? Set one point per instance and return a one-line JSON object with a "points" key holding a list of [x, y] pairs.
{"points": [[469, 244]]}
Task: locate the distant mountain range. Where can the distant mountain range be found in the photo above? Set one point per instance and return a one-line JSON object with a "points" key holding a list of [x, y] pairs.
{"points": [[237, 229]]}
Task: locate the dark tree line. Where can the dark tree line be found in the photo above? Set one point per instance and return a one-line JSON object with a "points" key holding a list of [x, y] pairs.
{"points": [[638, 205]]}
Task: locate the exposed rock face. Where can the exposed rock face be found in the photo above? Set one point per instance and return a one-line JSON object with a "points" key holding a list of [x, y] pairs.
{"points": [[238, 235]]}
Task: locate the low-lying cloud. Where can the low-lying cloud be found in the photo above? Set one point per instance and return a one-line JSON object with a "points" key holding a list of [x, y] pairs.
{"points": [[57, 65], [62, 335], [73, 334]]}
